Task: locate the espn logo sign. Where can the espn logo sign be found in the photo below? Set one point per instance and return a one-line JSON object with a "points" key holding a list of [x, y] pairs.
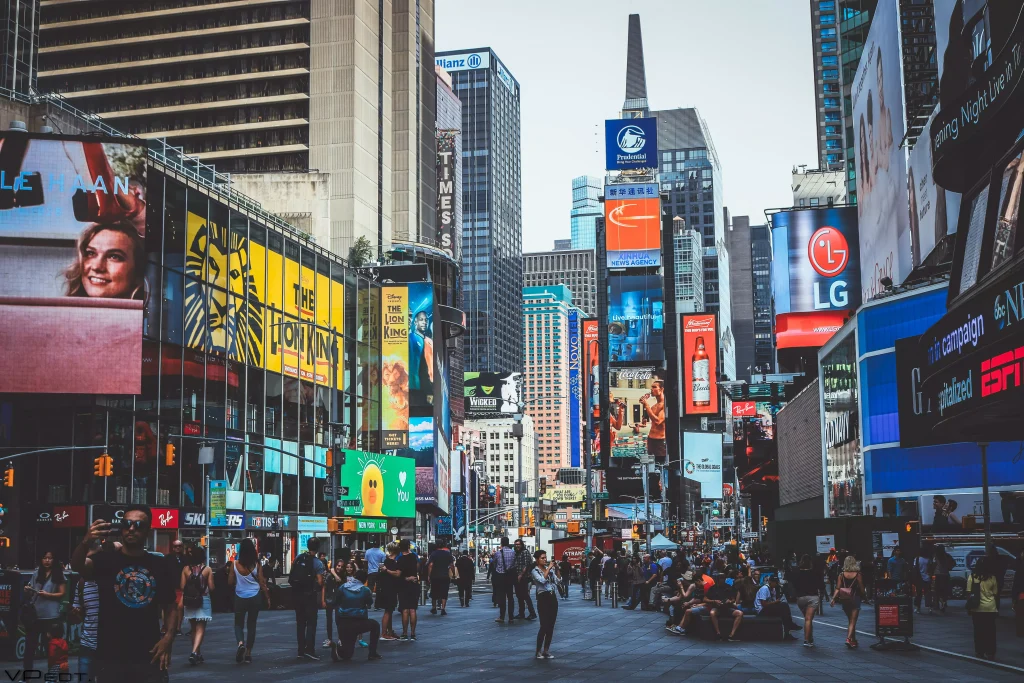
{"points": [[1002, 372]]}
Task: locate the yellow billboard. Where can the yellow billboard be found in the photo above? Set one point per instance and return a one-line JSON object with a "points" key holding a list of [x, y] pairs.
{"points": [[566, 494], [394, 353]]}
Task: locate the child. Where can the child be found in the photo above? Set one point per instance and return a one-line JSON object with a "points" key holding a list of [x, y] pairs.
{"points": [[57, 651]]}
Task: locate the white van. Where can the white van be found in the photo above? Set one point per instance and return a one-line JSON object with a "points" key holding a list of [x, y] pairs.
{"points": [[966, 556]]}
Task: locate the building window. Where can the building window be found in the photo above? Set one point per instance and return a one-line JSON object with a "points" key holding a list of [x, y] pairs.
{"points": [[827, 33], [828, 47]]}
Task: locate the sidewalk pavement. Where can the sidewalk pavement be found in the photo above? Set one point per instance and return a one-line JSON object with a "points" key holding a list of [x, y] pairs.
{"points": [[950, 632]]}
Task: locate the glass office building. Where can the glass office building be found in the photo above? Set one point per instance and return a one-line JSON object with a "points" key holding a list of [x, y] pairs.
{"points": [[492, 226], [586, 209]]}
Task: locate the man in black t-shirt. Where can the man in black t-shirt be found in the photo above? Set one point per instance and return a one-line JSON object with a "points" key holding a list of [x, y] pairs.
{"points": [[408, 588], [438, 567], [387, 590], [135, 589]]}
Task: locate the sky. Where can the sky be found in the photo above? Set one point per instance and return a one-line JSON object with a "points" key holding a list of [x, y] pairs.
{"points": [[744, 64]]}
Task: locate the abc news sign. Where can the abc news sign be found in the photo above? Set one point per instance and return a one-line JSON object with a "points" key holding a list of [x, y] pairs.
{"points": [[821, 263], [955, 376]]}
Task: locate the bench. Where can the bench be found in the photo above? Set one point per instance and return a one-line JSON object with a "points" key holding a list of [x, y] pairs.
{"points": [[754, 627]]}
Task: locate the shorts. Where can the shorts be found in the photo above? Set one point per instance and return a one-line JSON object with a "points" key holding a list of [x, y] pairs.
{"points": [[700, 610], [748, 611], [656, 448], [805, 601], [408, 596], [387, 600], [439, 588]]}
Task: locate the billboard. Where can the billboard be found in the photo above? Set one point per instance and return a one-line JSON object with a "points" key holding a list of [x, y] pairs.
{"points": [[631, 144], [840, 429], [420, 297], [592, 365], [702, 461], [395, 378], [464, 62], [636, 318], [491, 394], [441, 474], [447, 182], [699, 361], [881, 164], [933, 210], [575, 390], [818, 270], [73, 220], [633, 226], [636, 412], [378, 485]]}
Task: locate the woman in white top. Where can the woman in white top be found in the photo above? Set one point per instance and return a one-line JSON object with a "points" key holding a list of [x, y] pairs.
{"points": [[196, 584], [246, 579]]}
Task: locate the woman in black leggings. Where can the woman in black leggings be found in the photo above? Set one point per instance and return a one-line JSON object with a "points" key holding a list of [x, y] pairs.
{"points": [[545, 577]]}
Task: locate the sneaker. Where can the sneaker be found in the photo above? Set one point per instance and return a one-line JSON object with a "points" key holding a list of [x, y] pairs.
{"points": [[193, 659], [239, 653], [403, 638], [531, 617], [310, 656], [539, 656], [548, 655], [444, 613], [412, 637], [732, 639], [499, 621], [374, 657], [362, 643], [326, 644], [808, 643], [681, 631], [670, 629], [389, 638]]}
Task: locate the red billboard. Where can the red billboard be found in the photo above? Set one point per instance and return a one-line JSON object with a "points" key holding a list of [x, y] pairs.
{"points": [[699, 361], [633, 231], [744, 409], [592, 379], [797, 330]]}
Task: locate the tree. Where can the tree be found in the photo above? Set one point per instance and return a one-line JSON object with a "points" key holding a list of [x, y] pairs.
{"points": [[360, 253]]}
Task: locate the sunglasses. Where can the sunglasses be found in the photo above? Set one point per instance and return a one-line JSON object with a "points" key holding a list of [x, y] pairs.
{"points": [[134, 525]]}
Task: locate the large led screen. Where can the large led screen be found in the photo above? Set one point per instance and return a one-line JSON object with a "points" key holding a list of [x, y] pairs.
{"points": [[491, 394], [633, 225], [636, 319], [395, 378], [699, 361], [73, 225], [702, 461], [378, 485], [636, 412]]}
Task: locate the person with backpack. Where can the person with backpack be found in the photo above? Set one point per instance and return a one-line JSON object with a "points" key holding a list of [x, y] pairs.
{"points": [[850, 592], [196, 584], [352, 603], [246, 578], [982, 593], [307, 581]]}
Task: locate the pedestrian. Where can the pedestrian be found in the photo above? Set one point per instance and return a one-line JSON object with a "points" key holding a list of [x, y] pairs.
{"points": [[465, 572], [247, 581], [408, 588], [594, 573], [727, 606], [523, 566], [56, 654], [134, 587], [922, 577], [634, 573], [87, 600], [387, 591], [982, 594], [807, 588], [178, 564], [545, 577], [608, 574], [942, 563], [440, 567], [352, 605], [374, 557], [650, 573], [1017, 595], [196, 583], [896, 567], [332, 581], [564, 575], [770, 602], [44, 592], [504, 571], [850, 591], [307, 581]]}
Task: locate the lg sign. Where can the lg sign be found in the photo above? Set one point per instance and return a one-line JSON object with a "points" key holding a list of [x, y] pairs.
{"points": [[829, 255]]}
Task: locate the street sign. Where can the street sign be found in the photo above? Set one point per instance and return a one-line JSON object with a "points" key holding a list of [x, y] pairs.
{"points": [[750, 534], [529, 500], [349, 503], [584, 515], [329, 492], [603, 495], [371, 526]]}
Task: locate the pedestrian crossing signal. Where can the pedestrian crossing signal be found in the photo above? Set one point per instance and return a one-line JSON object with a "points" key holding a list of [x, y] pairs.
{"points": [[9, 477], [572, 527], [103, 466], [169, 455]]}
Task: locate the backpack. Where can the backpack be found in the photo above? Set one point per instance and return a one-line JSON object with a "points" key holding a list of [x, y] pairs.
{"points": [[303, 575], [192, 595], [974, 599]]}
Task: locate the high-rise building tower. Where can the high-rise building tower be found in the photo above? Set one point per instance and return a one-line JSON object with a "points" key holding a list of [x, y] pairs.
{"points": [[576, 269], [19, 42], [750, 252], [586, 210], [342, 93], [688, 264], [546, 380], [492, 227]]}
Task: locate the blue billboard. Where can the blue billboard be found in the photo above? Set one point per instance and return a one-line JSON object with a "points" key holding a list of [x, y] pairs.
{"points": [[575, 390], [630, 144]]}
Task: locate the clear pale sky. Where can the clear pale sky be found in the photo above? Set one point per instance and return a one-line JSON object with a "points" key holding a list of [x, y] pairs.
{"points": [[744, 64]]}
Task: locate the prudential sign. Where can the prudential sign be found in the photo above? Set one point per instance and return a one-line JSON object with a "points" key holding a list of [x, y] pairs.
{"points": [[630, 144]]}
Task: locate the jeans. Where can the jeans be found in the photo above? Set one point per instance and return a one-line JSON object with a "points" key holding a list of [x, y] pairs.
{"points": [[328, 609], [984, 633], [32, 637], [86, 663], [307, 607], [780, 610], [349, 630], [525, 602], [595, 585], [465, 592], [547, 605], [505, 585], [923, 591], [246, 612], [634, 599]]}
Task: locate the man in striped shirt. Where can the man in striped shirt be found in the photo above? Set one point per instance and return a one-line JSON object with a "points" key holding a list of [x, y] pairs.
{"points": [[505, 580]]}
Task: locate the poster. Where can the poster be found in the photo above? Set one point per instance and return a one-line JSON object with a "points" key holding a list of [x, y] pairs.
{"points": [[699, 362], [636, 413], [395, 366], [378, 485]]}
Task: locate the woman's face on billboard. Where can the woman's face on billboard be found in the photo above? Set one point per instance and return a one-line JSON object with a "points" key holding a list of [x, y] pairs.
{"points": [[108, 265]]}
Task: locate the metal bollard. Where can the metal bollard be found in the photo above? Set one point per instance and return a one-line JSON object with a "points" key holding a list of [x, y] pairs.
{"points": [[597, 595], [615, 597], [424, 587]]}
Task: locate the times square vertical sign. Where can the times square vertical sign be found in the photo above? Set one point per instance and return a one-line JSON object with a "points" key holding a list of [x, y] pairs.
{"points": [[446, 192]]}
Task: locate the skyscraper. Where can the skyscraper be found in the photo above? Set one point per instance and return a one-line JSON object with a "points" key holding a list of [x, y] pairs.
{"points": [[261, 88], [19, 42], [576, 269], [688, 264], [750, 251], [586, 210], [492, 227]]}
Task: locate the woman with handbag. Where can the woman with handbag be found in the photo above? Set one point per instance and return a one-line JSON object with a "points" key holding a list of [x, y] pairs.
{"points": [[246, 578], [982, 591], [41, 606], [850, 592], [196, 584]]}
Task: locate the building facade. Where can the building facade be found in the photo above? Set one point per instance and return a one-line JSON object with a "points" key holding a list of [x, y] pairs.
{"points": [[492, 229], [300, 86], [19, 45], [563, 245], [761, 252], [689, 267], [574, 268], [818, 188], [750, 251], [546, 381], [501, 454], [586, 210]]}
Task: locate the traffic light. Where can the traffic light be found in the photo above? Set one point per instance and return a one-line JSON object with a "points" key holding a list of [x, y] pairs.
{"points": [[508, 516], [572, 527], [332, 523], [9, 477], [5, 542], [348, 526], [532, 520], [543, 485], [329, 459], [716, 508], [103, 466], [169, 455]]}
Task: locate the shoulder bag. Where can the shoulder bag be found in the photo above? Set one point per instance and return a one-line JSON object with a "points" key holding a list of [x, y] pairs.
{"points": [[974, 599], [845, 592]]}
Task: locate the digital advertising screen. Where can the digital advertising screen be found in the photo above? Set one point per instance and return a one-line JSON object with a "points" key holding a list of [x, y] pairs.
{"points": [[395, 378], [702, 461], [378, 485], [631, 144], [492, 394], [636, 318], [699, 361], [422, 367], [592, 378], [575, 389], [633, 225], [636, 412], [73, 221]]}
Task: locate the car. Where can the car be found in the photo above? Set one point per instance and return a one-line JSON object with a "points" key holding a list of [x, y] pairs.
{"points": [[965, 557]]}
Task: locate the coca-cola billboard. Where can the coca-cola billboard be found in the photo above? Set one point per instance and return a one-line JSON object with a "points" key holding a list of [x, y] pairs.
{"points": [[699, 361]]}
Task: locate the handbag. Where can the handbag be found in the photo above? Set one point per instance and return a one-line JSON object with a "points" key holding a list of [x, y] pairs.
{"points": [[974, 599], [76, 611], [845, 592]]}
